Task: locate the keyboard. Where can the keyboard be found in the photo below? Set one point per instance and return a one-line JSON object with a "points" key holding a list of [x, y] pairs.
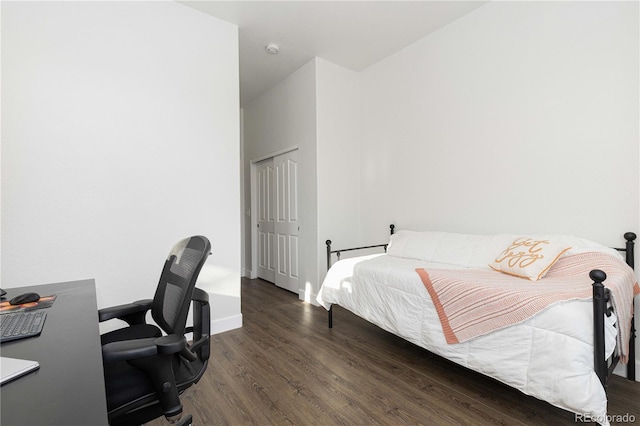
{"points": [[18, 325]]}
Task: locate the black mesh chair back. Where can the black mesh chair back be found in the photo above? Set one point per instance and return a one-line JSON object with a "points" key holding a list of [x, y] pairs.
{"points": [[178, 278]]}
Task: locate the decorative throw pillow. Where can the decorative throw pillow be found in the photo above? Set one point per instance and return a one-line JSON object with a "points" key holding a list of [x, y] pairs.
{"points": [[528, 257]]}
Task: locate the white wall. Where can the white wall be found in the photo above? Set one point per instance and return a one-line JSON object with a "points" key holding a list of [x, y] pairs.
{"points": [[520, 117], [120, 136], [0, 147], [338, 155], [282, 118]]}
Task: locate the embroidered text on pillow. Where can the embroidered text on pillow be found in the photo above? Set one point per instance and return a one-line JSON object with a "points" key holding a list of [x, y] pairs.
{"points": [[523, 252]]}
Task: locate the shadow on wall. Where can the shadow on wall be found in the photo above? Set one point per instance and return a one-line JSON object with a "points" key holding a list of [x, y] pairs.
{"points": [[223, 286]]}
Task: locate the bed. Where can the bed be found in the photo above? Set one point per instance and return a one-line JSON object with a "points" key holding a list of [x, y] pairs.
{"points": [[554, 332]]}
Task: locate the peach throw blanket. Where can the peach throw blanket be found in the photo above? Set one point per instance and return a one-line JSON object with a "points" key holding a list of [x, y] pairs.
{"points": [[471, 303]]}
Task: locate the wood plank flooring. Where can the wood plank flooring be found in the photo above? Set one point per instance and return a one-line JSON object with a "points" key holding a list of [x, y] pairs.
{"points": [[285, 367]]}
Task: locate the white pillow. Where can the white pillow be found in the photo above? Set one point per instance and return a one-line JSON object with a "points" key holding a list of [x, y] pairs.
{"points": [[476, 251], [466, 250]]}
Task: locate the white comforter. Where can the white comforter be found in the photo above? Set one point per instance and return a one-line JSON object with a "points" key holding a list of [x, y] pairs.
{"points": [[389, 293]]}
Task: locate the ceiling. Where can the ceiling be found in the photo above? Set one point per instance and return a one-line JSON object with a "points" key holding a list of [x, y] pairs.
{"points": [[353, 34]]}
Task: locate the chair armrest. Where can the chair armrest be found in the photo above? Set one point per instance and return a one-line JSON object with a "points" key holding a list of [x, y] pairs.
{"points": [[170, 344], [132, 313], [201, 324], [141, 348], [128, 349]]}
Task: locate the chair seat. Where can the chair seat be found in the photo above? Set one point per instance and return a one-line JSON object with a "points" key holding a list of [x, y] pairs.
{"points": [[128, 386], [140, 331], [125, 384]]}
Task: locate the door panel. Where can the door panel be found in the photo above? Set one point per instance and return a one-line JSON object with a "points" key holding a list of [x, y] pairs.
{"points": [[266, 222], [286, 224]]}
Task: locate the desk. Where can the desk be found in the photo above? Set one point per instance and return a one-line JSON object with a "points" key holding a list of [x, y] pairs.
{"points": [[68, 389]]}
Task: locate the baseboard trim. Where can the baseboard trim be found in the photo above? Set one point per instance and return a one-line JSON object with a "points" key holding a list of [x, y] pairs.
{"points": [[621, 369], [308, 296], [221, 325]]}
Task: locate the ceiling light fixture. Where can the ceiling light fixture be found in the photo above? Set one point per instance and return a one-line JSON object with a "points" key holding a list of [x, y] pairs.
{"points": [[272, 48]]}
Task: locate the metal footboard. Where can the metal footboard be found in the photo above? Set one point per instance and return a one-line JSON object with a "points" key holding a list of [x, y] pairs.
{"points": [[601, 296]]}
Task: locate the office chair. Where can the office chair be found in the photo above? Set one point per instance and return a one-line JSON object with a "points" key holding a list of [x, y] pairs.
{"points": [[147, 367]]}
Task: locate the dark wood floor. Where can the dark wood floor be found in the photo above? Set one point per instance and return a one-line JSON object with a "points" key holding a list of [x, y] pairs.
{"points": [[284, 366]]}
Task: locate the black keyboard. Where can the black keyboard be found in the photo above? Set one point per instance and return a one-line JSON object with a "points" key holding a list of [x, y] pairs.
{"points": [[18, 325]]}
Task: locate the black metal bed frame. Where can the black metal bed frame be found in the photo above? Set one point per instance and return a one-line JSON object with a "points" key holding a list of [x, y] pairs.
{"points": [[601, 296], [392, 228]]}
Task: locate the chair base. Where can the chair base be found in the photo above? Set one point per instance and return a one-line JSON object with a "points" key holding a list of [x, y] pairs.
{"points": [[185, 421]]}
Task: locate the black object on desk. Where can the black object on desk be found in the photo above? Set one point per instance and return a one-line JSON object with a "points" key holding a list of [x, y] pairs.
{"points": [[20, 325], [68, 389]]}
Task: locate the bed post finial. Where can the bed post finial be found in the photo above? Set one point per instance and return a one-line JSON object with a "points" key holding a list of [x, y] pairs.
{"points": [[630, 237], [392, 228], [597, 276]]}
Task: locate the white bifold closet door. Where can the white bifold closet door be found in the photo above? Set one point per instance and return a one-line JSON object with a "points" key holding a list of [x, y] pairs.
{"points": [[266, 220], [278, 229]]}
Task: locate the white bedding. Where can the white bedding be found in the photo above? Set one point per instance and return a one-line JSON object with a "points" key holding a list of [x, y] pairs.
{"points": [[553, 357]]}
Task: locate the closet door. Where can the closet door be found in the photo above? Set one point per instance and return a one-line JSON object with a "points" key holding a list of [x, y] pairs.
{"points": [[266, 220], [286, 223]]}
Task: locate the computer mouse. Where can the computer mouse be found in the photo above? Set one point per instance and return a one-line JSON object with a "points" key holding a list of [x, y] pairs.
{"points": [[24, 298]]}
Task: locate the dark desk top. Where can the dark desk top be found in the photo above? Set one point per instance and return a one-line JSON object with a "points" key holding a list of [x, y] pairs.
{"points": [[68, 389]]}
